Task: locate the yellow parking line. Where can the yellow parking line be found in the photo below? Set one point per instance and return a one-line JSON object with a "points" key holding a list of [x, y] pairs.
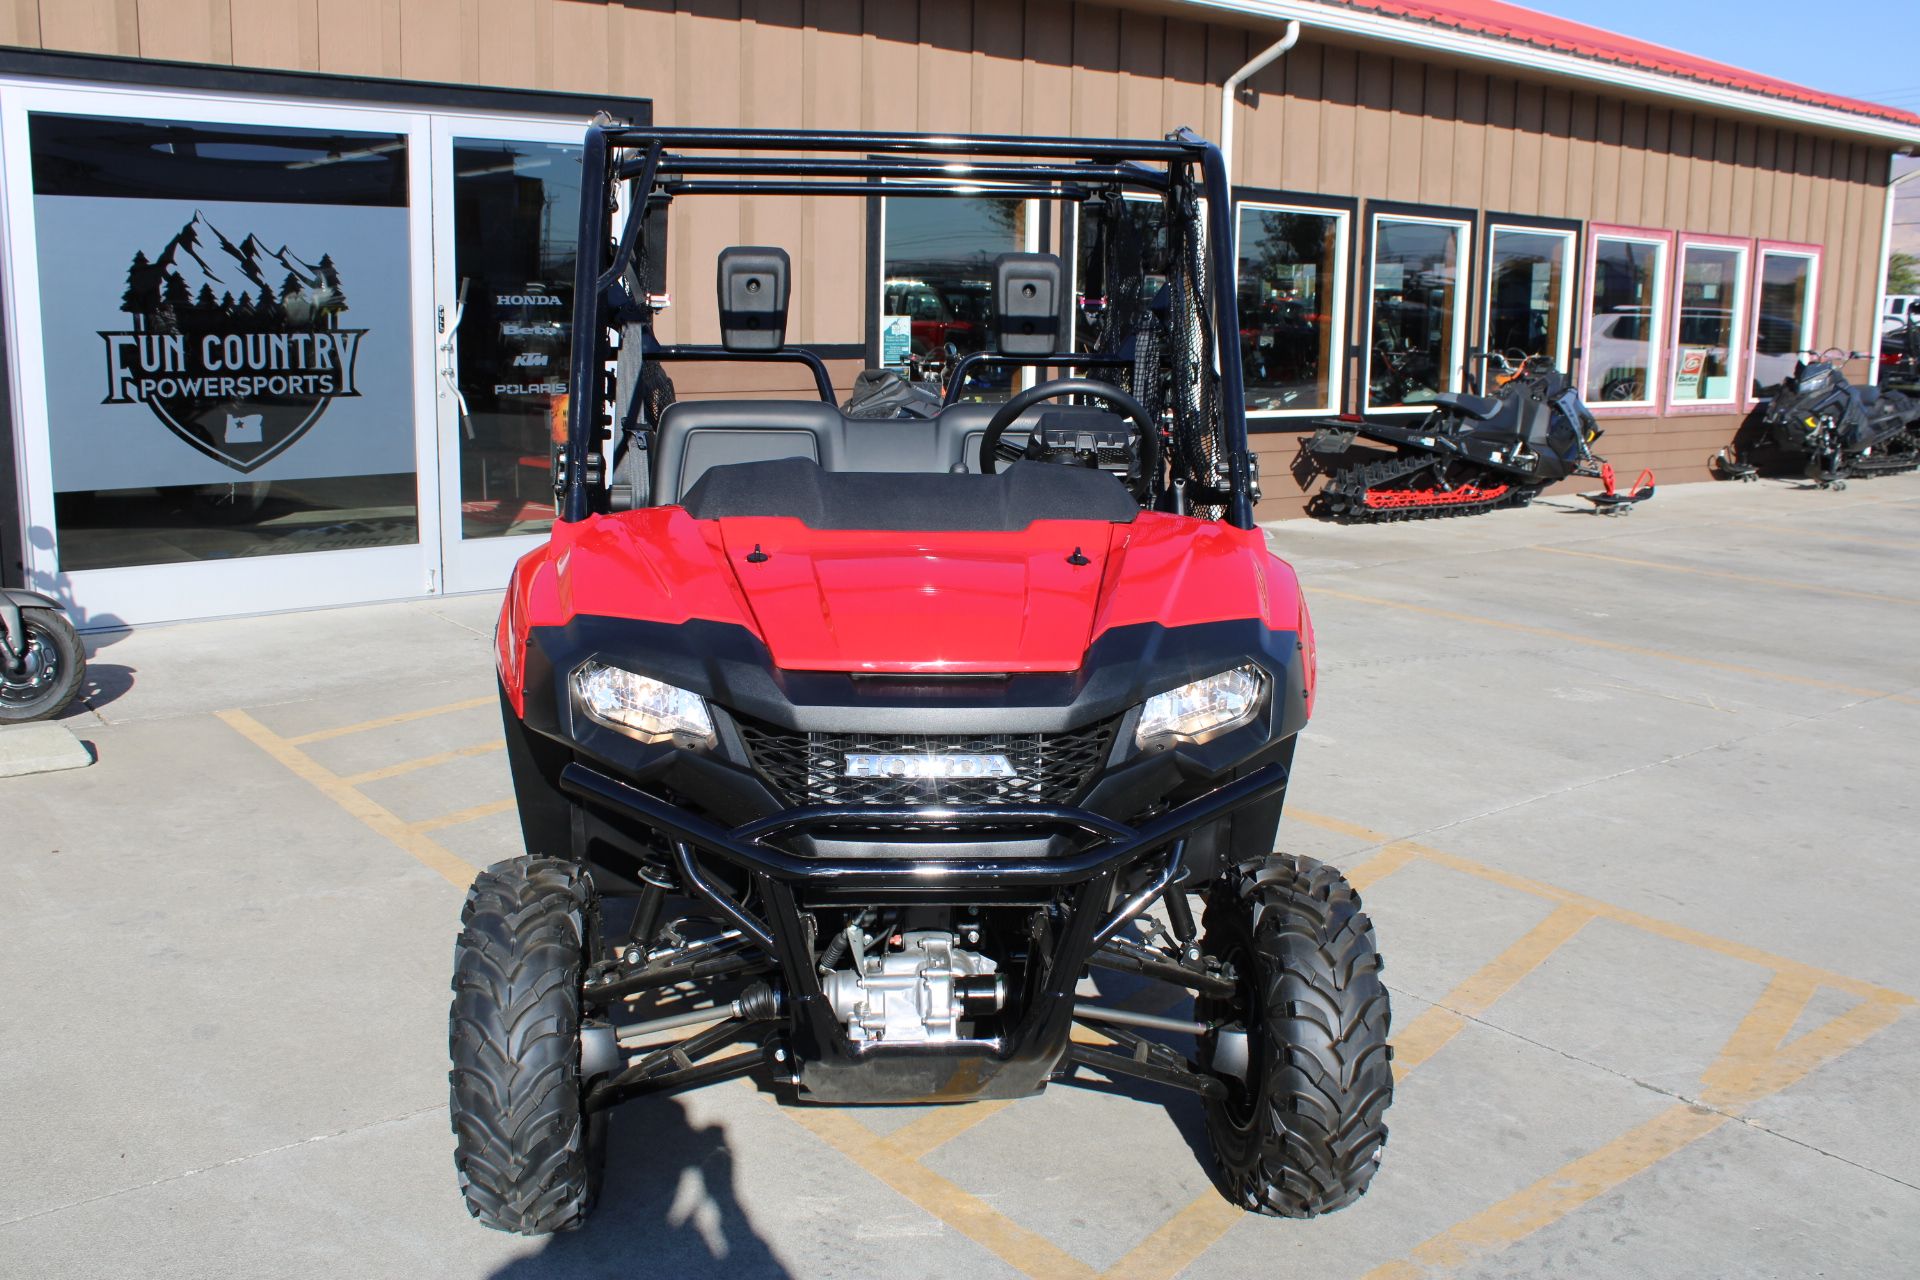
{"points": [[1730, 576], [941, 1125], [1606, 910], [1179, 1241], [1427, 1034], [468, 814], [1615, 646], [423, 762], [382, 820], [1380, 865], [1879, 540], [1558, 1194], [1750, 1067], [1024, 1250], [322, 735]]}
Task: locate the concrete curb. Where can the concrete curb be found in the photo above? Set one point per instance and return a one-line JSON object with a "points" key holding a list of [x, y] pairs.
{"points": [[40, 748]]}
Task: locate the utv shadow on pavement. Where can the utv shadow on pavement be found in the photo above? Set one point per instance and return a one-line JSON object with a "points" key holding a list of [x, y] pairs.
{"points": [[668, 1208]]}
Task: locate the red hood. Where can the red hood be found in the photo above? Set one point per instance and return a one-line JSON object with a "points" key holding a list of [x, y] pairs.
{"points": [[863, 600]]}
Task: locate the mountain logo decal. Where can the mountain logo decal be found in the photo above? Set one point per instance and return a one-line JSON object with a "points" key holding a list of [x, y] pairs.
{"points": [[237, 348]]}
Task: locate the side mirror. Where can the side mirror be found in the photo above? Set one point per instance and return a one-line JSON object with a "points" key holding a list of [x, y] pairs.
{"points": [[1027, 303], [753, 284]]}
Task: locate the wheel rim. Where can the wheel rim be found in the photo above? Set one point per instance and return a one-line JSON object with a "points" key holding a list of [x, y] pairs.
{"points": [[1241, 1103], [41, 671]]}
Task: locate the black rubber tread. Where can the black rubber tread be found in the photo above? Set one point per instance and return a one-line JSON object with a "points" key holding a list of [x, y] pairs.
{"points": [[527, 1160], [1307, 1135], [49, 627], [1343, 497]]}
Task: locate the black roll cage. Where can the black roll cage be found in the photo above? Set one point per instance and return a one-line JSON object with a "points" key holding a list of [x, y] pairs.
{"points": [[661, 166]]}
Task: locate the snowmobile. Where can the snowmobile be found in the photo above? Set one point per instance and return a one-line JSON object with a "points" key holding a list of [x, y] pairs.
{"points": [[1470, 454], [1836, 431], [847, 750]]}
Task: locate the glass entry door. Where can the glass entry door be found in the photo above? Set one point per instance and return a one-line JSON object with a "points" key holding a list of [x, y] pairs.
{"points": [[221, 351], [508, 195]]}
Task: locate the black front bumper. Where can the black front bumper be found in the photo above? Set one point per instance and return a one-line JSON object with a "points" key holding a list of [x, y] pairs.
{"points": [[830, 1067]]}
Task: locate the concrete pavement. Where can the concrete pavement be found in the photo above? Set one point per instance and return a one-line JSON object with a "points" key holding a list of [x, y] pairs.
{"points": [[1629, 800]]}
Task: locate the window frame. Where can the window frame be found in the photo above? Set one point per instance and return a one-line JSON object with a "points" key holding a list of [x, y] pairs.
{"points": [[1573, 291], [1655, 405], [1743, 277], [1361, 336], [1346, 270], [1813, 253], [1035, 238]]}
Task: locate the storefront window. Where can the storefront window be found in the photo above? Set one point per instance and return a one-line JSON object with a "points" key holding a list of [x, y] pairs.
{"points": [[516, 219], [1707, 332], [1785, 327], [1416, 328], [1292, 280], [936, 301], [227, 324], [1623, 341], [1528, 300]]}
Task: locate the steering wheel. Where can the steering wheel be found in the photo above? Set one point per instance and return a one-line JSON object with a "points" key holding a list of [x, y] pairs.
{"points": [[1126, 404]]}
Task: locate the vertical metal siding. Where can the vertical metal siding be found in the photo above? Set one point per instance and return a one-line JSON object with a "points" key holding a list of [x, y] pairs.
{"points": [[1338, 119]]}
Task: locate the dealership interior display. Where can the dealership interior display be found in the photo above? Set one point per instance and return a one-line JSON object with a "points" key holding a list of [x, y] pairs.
{"points": [[845, 748]]}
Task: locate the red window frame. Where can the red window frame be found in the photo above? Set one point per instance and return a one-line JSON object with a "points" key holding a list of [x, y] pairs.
{"points": [[1739, 402], [1654, 406], [1810, 332]]}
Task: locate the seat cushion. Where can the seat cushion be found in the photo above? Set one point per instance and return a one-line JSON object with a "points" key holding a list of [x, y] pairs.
{"points": [[1006, 502], [1481, 407]]}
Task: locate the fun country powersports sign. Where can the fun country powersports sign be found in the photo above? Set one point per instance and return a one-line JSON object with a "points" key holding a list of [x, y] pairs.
{"points": [[230, 346], [240, 379]]}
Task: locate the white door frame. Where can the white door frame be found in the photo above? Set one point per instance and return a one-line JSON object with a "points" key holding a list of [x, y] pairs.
{"points": [[478, 564], [155, 593]]}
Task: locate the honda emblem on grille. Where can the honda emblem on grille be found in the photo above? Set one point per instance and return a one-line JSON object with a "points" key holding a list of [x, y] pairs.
{"points": [[928, 766]]}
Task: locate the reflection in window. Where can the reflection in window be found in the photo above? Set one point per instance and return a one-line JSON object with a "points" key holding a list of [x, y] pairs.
{"points": [[1786, 318], [936, 299], [1290, 277], [1628, 296], [516, 221], [1707, 340], [1415, 322], [1527, 293], [241, 295]]}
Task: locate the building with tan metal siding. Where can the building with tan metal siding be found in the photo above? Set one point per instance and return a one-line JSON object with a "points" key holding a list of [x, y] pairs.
{"points": [[1457, 173]]}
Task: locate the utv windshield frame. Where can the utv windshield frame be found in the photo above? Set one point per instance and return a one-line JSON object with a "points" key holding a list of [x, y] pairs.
{"points": [[661, 165]]}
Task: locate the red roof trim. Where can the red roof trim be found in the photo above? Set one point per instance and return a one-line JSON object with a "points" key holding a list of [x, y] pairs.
{"points": [[1544, 31]]}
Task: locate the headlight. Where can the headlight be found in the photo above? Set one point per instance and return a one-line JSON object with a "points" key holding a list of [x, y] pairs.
{"points": [[1204, 709], [642, 707]]}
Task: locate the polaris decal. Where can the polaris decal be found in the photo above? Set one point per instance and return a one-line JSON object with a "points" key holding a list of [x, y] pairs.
{"points": [[237, 348]]}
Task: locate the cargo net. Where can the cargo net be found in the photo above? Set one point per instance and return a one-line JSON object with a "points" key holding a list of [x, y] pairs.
{"points": [[1148, 305]]}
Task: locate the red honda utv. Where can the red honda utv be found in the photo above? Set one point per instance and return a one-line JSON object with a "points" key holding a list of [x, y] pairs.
{"points": [[848, 748]]}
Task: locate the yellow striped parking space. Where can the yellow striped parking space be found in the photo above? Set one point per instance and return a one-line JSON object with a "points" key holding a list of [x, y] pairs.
{"points": [[1756, 1062]]}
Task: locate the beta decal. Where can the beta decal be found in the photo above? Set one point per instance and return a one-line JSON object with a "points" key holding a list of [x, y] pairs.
{"points": [[235, 364]]}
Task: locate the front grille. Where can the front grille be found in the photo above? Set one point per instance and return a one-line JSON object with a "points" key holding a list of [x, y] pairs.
{"points": [[811, 768]]}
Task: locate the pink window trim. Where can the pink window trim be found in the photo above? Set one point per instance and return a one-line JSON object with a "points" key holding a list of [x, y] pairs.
{"points": [[1656, 405], [1786, 248], [1740, 403]]}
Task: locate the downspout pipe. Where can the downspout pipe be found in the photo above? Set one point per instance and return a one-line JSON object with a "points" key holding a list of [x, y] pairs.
{"points": [[1231, 89]]}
